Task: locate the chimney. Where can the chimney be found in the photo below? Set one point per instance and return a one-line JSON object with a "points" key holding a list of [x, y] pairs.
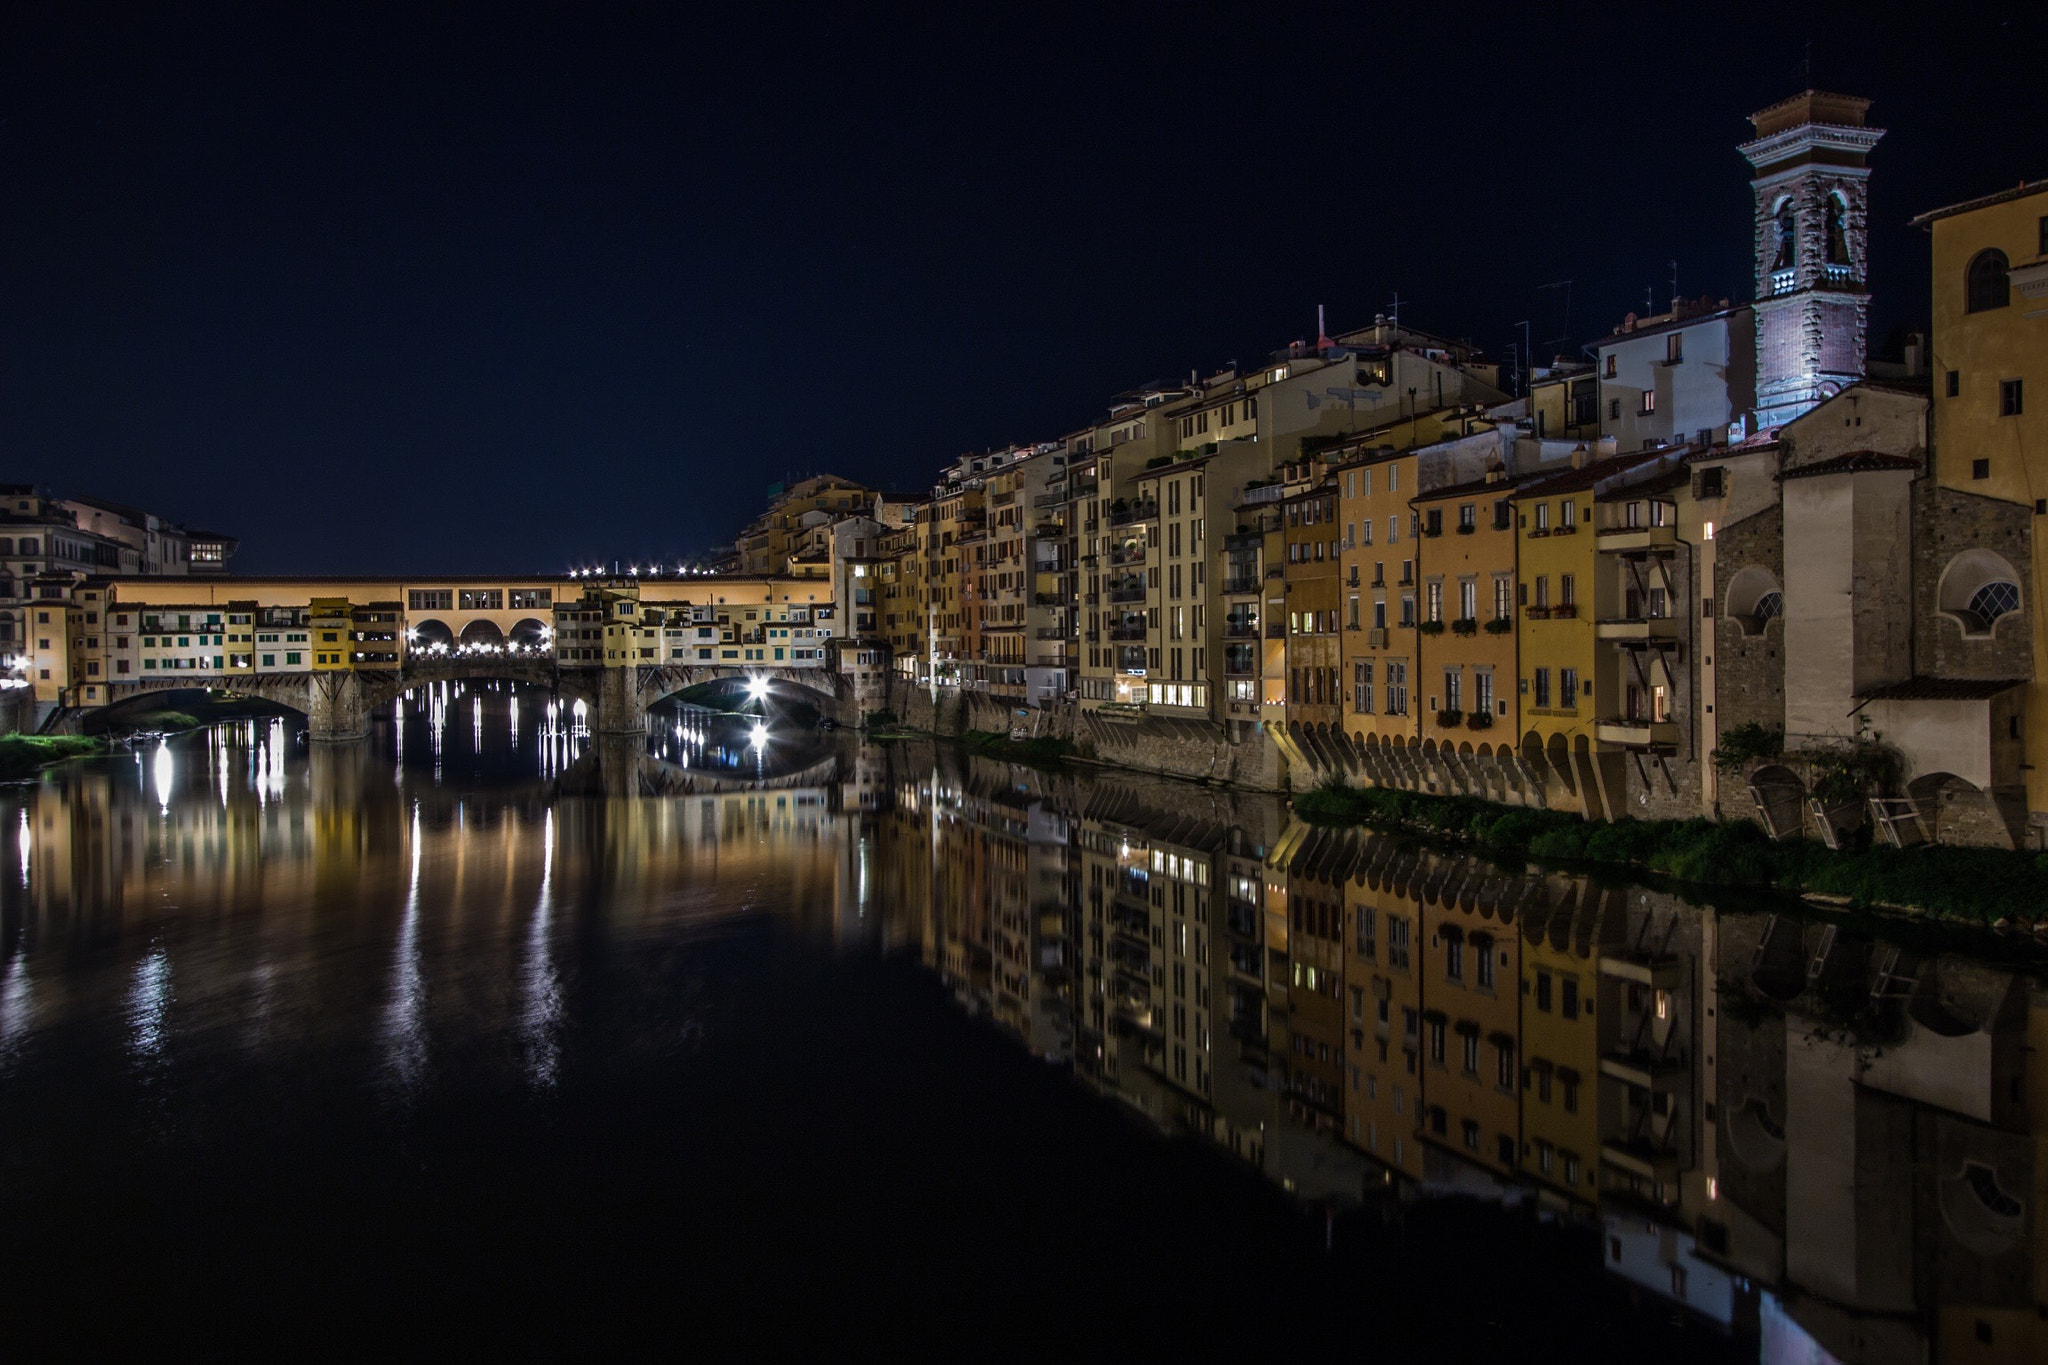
{"points": [[1604, 448], [1579, 455]]}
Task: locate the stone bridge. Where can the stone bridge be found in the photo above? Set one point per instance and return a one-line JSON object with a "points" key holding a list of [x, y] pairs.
{"points": [[338, 703]]}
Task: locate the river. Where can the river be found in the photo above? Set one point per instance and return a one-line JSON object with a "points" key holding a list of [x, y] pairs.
{"points": [[489, 1036]]}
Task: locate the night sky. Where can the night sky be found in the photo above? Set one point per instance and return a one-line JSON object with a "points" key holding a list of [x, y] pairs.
{"points": [[427, 287]]}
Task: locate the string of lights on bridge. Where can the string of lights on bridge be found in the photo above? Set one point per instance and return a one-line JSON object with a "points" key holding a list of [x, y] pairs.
{"points": [[652, 571]]}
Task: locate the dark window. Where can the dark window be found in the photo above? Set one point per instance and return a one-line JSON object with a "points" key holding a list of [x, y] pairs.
{"points": [[1985, 283], [2008, 398], [1980, 469], [1955, 383]]}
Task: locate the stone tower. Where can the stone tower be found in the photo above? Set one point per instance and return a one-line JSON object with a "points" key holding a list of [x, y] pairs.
{"points": [[1811, 157]]}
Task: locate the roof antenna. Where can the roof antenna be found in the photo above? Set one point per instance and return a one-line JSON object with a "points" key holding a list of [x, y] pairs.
{"points": [[1395, 316], [1674, 286]]}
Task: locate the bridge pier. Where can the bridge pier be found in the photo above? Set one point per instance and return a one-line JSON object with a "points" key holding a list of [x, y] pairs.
{"points": [[336, 709], [621, 710]]}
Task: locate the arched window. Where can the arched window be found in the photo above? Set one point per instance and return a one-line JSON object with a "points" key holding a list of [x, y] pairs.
{"points": [[1992, 601], [1754, 599], [1838, 230], [1977, 588], [1788, 235], [1985, 283]]}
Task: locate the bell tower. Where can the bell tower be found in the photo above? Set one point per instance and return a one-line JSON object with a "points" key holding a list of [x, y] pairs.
{"points": [[1811, 159]]}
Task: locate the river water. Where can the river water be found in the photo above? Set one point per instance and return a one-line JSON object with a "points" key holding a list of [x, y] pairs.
{"points": [[487, 1036]]}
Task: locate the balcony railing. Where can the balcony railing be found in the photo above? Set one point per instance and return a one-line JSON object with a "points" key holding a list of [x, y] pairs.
{"points": [[1137, 511], [1240, 630], [1240, 586], [1127, 632], [1127, 592]]}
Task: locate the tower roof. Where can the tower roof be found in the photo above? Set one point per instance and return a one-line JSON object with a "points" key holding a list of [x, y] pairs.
{"points": [[1811, 106]]}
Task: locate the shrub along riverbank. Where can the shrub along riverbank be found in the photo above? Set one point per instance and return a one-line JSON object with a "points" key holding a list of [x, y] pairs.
{"points": [[22, 756], [1982, 884], [1043, 749]]}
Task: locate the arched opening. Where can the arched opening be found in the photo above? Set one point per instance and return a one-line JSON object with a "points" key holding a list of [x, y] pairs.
{"points": [[1976, 589], [482, 634], [1778, 969], [1838, 229], [1786, 229], [1987, 281], [1780, 799], [530, 635], [430, 637], [1561, 763], [1754, 599], [1951, 810]]}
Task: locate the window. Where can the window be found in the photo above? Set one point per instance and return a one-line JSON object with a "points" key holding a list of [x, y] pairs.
{"points": [[1955, 383], [1361, 687], [1543, 991], [1543, 687], [1436, 1041], [1567, 688], [1767, 606], [1471, 1057], [1397, 946], [2008, 398], [1613, 364], [1454, 959], [1468, 516], [430, 599], [1482, 692], [1980, 469], [1567, 585], [1482, 957], [1992, 601], [1674, 348], [1986, 282], [1543, 516], [1397, 688], [1614, 409], [1567, 512], [1454, 689], [1568, 998]]}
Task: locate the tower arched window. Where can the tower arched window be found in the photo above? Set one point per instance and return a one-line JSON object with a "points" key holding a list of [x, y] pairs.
{"points": [[1992, 601], [1838, 230], [1985, 283], [1788, 237]]}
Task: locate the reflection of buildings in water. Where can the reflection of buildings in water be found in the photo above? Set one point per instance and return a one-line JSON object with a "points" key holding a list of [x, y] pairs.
{"points": [[1880, 1165], [264, 868], [1801, 1142]]}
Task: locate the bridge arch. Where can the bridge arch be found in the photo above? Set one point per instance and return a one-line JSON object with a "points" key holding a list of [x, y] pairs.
{"points": [[481, 633], [429, 636]]}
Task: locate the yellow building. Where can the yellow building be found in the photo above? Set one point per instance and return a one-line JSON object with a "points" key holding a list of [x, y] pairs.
{"points": [[1566, 924], [1990, 362], [769, 542], [1466, 653], [1380, 662], [331, 622]]}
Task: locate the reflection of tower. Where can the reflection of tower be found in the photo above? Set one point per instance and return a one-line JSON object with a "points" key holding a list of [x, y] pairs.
{"points": [[1812, 189]]}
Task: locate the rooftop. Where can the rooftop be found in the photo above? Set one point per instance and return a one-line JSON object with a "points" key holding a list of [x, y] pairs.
{"points": [[1941, 689], [1854, 462]]}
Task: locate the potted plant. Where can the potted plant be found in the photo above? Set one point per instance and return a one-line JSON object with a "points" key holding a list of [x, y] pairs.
{"points": [[1450, 720], [1500, 625], [1466, 625], [1430, 627], [1479, 720]]}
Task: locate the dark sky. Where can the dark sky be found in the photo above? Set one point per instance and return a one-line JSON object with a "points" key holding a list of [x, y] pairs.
{"points": [[429, 287]]}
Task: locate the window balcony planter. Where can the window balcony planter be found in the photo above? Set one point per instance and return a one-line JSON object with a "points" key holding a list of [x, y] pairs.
{"points": [[1539, 533], [1537, 613], [1430, 627], [1466, 528], [1568, 530], [1479, 720], [1564, 611], [1450, 720], [1465, 625], [1500, 625], [1432, 531]]}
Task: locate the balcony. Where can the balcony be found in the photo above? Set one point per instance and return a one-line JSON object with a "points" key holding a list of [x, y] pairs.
{"points": [[1127, 632], [1376, 637], [1253, 497], [1133, 512], [1055, 498], [1127, 591], [1240, 587], [1636, 539], [1127, 554], [1639, 630], [1635, 733], [1239, 629]]}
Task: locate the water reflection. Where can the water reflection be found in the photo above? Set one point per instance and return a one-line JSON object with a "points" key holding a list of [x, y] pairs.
{"points": [[1819, 1144]]}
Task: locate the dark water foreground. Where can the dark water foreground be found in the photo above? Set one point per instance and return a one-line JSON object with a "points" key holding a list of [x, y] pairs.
{"points": [[480, 1039]]}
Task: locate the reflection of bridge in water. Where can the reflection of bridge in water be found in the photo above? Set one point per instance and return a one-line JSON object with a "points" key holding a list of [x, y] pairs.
{"points": [[338, 703], [621, 766]]}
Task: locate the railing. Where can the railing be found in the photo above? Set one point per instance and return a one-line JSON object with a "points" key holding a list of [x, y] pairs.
{"points": [[1240, 585], [1240, 630], [1138, 511], [1127, 632], [1127, 592], [1127, 555], [1056, 498], [1253, 497], [1002, 499], [1276, 630]]}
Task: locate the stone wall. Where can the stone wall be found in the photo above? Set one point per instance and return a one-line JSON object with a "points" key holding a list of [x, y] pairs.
{"points": [[1947, 522], [1749, 670]]}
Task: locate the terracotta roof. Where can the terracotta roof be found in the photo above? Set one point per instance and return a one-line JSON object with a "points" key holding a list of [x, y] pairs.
{"points": [[1572, 480], [1855, 462], [1759, 442], [1941, 689], [1503, 486], [2019, 191]]}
